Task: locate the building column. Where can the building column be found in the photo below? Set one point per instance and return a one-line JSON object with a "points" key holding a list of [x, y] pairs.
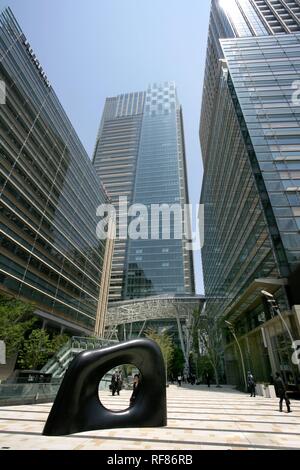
{"points": [[105, 280], [296, 312]]}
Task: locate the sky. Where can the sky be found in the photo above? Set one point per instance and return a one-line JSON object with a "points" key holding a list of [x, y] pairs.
{"points": [[92, 49]]}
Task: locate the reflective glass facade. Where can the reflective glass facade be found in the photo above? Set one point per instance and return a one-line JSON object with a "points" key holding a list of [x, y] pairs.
{"points": [[140, 154], [237, 247], [115, 160], [250, 143], [49, 194], [158, 266], [263, 71], [240, 18], [259, 17], [256, 68]]}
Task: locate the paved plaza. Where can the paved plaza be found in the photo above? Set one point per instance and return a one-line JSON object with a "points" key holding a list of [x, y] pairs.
{"points": [[198, 418]]}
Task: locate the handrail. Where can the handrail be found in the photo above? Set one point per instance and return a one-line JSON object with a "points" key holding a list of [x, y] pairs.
{"points": [[59, 363]]}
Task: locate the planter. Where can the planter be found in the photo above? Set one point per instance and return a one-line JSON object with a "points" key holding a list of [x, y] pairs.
{"points": [[272, 391], [267, 391], [260, 390]]}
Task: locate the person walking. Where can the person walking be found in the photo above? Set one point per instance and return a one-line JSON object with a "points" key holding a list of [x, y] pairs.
{"points": [[136, 389], [208, 379], [119, 382], [116, 383], [113, 385], [251, 384], [179, 379], [281, 393]]}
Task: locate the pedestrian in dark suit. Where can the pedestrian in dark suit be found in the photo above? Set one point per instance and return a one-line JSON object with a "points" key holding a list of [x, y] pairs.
{"points": [[251, 384], [116, 383], [208, 379], [136, 388], [281, 392]]}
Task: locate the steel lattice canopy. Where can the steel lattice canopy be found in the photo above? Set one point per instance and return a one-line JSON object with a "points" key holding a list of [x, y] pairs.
{"points": [[152, 308]]}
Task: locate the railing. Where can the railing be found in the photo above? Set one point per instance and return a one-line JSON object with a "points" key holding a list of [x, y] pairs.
{"points": [[26, 394], [23, 394], [79, 342], [29, 393], [59, 363], [57, 356]]}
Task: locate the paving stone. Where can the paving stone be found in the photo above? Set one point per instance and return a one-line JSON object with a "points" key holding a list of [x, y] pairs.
{"points": [[198, 418]]}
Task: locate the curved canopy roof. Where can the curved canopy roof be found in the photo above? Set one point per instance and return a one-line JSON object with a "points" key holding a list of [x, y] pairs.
{"points": [[152, 308]]}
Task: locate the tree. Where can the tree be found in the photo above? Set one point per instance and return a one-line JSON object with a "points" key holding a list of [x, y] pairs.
{"points": [[57, 342], [15, 321], [165, 343], [207, 337], [39, 347], [178, 361], [203, 365], [36, 350]]}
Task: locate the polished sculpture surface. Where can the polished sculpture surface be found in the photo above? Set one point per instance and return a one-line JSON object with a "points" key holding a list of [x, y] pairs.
{"points": [[77, 407]]}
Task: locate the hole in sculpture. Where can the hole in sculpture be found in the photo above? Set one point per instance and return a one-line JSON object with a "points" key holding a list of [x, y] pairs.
{"points": [[117, 386]]}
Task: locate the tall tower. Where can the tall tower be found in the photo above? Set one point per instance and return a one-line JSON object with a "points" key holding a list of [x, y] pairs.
{"points": [[115, 160], [140, 154], [250, 144]]}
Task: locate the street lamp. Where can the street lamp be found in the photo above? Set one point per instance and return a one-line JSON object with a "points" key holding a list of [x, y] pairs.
{"points": [[276, 310], [232, 331]]}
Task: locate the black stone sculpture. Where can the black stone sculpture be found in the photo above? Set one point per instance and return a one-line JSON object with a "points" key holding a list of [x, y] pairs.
{"points": [[77, 407]]}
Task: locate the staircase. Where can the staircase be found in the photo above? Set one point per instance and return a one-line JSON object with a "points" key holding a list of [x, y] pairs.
{"points": [[59, 363]]}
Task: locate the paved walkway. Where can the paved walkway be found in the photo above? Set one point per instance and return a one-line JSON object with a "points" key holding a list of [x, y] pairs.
{"points": [[198, 418]]}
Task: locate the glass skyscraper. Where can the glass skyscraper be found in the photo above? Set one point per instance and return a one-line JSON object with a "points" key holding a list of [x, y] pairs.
{"points": [[49, 195], [140, 154], [115, 160], [250, 139]]}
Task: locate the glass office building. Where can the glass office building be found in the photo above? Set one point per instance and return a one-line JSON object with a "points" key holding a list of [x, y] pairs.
{"points": [[115, 160], [49, 194], [250, 141], [140, 154]]}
